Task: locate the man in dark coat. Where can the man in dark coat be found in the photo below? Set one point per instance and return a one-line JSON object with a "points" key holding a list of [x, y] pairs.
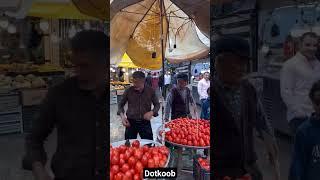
{"points": [[235, 113]]}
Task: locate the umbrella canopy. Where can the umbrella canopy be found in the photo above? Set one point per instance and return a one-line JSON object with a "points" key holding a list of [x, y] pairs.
{"points": [[126, 62], [136, 30], [57, 9]]}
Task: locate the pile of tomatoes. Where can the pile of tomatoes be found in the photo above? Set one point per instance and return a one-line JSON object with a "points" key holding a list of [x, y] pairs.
{"points": [[204, 163], [127, 162], [190, 132]]}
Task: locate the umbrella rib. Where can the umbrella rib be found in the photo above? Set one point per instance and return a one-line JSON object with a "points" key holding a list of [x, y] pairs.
{"points": [[134, 30], [148, 8], [133, 12]]}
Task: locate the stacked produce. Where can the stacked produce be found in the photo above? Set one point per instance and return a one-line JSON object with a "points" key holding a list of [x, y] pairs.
{"points": [[20, 82], [190, 132], [204, 163], [21, 68], [28, 68], [49, 68], [128, 161]]}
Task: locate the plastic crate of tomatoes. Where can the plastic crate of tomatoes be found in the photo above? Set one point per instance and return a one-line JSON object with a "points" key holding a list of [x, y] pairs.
{"points": [[201, 168]]}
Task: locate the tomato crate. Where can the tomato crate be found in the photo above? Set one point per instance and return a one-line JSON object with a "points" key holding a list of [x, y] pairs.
{"points": [[198, 172]]}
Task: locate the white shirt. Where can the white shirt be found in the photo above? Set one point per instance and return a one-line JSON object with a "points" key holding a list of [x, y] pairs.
{"points": [[297, 77], [203, 85], [167, 79]]}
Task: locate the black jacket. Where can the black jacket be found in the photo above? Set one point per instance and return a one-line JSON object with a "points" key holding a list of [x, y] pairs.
{"points": [[233, 141]]}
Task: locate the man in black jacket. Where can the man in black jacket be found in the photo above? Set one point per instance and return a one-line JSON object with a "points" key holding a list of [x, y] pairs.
{"points": [[235, 113], [77, 108]]}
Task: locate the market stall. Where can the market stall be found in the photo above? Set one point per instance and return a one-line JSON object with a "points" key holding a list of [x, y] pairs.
{"points": [[153, 33], [34, 56]]}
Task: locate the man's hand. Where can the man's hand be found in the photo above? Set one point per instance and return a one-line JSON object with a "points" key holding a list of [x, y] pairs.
{"points": [[148, 115], [125, 122], [39, 172]]}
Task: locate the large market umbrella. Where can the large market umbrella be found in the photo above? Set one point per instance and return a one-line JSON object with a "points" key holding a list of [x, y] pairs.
{"points": [[126, 62], [137, 28]]}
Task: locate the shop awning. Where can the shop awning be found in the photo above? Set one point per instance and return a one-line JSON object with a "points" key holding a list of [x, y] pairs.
{"points": [[95, 8], [63, 9], [126, 62]]}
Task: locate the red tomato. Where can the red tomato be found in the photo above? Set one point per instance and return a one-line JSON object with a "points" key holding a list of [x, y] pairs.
{"points": [[115, 160], [138, 154], [162, 163], [127, 176], [136, 143], [144, 160], [125, 168], [122, 162], [202, 143], [151, 163], [132, 161], [165, 158], [136, 177], [122, 148], [127, 155], [121, 156], [111, 175], [139, 167], [132, 170], [119, 176], [115, 169], [148, 155], [145, 148], [130, 150], [156, 161]]}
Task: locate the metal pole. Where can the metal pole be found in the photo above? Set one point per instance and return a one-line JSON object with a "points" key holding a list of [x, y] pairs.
{"points": [[163, 70]]}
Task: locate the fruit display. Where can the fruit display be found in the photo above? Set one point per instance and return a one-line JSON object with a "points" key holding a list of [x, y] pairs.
{"points": [[188, 132], [21, 68], [129, 160], [28, 68], [20, 82], [204, 163], [49, 68]]}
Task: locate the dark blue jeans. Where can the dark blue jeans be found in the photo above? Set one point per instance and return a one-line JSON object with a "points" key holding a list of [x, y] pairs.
{"points": [[201, 103]]}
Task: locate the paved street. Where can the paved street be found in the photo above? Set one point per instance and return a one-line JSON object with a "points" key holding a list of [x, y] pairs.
{"points": [[12, 148]]}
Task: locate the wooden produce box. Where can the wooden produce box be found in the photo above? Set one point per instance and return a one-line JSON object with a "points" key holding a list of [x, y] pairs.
{"points": [[31, 97]]}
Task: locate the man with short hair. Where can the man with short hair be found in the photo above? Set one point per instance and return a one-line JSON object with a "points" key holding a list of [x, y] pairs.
{"points": [[297, 76], [77, 108], [236, 112], [167, 82], [203, 85], [179, 100], [140, 98]]}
